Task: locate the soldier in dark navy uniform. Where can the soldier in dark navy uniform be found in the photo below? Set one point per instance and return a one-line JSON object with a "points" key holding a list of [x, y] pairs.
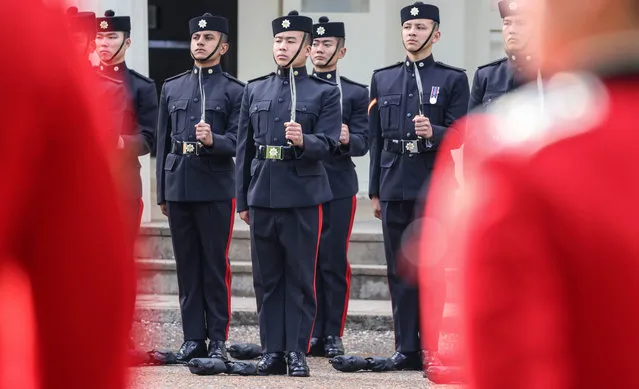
{"points": [[333, 269], [290, 122], [507, 74], [112, 41], [197, 129], [412, 105], [111, 92]]}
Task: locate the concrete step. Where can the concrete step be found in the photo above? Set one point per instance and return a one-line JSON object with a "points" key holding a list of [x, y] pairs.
{"points": [[368, 282], [362, 314], [366, 245]]}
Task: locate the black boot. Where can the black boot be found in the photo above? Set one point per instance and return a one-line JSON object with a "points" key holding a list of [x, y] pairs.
{"points": [[191, 349], [272, 364], [297, 366], [317, 347], [407, 361], [333, 346], [217, 349]]}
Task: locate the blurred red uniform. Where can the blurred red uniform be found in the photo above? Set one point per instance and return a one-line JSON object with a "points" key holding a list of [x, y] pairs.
{"points": [[67, 288], [549, 237]]}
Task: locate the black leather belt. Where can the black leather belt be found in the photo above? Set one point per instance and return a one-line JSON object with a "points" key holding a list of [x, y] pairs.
{"points": [[186, 148], [281, 153], [407, 146]]}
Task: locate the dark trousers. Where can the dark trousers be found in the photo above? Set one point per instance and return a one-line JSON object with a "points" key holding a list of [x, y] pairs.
{"points": [[201, 233], [284, 247], [333, 270], [396, 217]]}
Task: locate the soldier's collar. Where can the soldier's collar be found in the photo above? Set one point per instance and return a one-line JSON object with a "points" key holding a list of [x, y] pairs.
{"points": [[424, 63], [520, 61], [297, 72], [209, 71], [330, 76], [115, 70]]}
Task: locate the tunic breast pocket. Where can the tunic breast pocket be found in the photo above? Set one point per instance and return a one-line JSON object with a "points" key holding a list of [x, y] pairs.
{"points": [[390, 111], [178, 114], [259, 114], [217, 115], [306, 115]]}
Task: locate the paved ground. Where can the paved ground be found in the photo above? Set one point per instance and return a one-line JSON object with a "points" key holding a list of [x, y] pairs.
{"points": [[365, 343]]}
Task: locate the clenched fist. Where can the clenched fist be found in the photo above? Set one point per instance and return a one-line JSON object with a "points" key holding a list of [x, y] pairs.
{"points": [[294, 133]]}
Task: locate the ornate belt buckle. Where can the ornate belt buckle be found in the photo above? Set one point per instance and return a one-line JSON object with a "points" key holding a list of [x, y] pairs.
{"points": [[273, 152], [189, 148], [411, 146]]}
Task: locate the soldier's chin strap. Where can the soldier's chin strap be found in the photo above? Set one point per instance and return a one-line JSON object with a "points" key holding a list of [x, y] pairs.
{"points": [[219, 43], [119, 49], [435, 25], [299, 50], [334, 53]]}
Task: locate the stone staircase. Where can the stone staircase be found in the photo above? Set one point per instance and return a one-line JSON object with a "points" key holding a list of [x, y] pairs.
{"points": [[369, 306]]}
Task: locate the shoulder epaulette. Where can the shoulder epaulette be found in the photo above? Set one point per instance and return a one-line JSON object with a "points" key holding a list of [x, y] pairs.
{"points": [[389, 66], [261, 78], [233, 79], [314, 77], [497, 62], [114, 80], [353, 82], [178, 76], [447, 66], [145, 78]]}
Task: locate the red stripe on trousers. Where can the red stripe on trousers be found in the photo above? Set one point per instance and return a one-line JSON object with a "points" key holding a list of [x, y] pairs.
{"points": [[348, 267], [229, 273], [319, 235]]}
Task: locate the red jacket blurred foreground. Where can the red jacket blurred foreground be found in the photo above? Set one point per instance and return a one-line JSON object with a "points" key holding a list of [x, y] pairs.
{"points": [[546, 228], [66, 275]]}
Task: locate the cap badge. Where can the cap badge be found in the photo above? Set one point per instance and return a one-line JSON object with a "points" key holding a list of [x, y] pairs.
{"points": [[321, 30], [513, 6], [104, 25], [414, 11], [202, 23], [286, 23]]}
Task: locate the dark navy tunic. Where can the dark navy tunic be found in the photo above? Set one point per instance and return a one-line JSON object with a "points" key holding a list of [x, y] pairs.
{"points": [[394, 104], [298, 182], [340, 167], [209, 175]]}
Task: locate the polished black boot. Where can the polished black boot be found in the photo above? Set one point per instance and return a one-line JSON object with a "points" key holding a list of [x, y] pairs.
{"points": [[333, 346], [217, 349], [407, 361], [191, 349], [272, 364], [297, 366], [317, 347]]}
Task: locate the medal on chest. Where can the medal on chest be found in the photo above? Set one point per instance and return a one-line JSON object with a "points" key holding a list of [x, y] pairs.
{"points": [[434, 94]]}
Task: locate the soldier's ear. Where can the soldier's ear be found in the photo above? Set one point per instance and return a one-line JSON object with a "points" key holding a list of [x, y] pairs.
{"points": [[91, 46], [436, 36], [127, 42], [342, 52], [224, 48]]}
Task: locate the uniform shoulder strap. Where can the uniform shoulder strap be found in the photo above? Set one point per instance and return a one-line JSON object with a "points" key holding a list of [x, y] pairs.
{"points": [[235, 80], [178, 76], [447, 66], [353, 82], [141, 76], [389, 66], [497, 62]]}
